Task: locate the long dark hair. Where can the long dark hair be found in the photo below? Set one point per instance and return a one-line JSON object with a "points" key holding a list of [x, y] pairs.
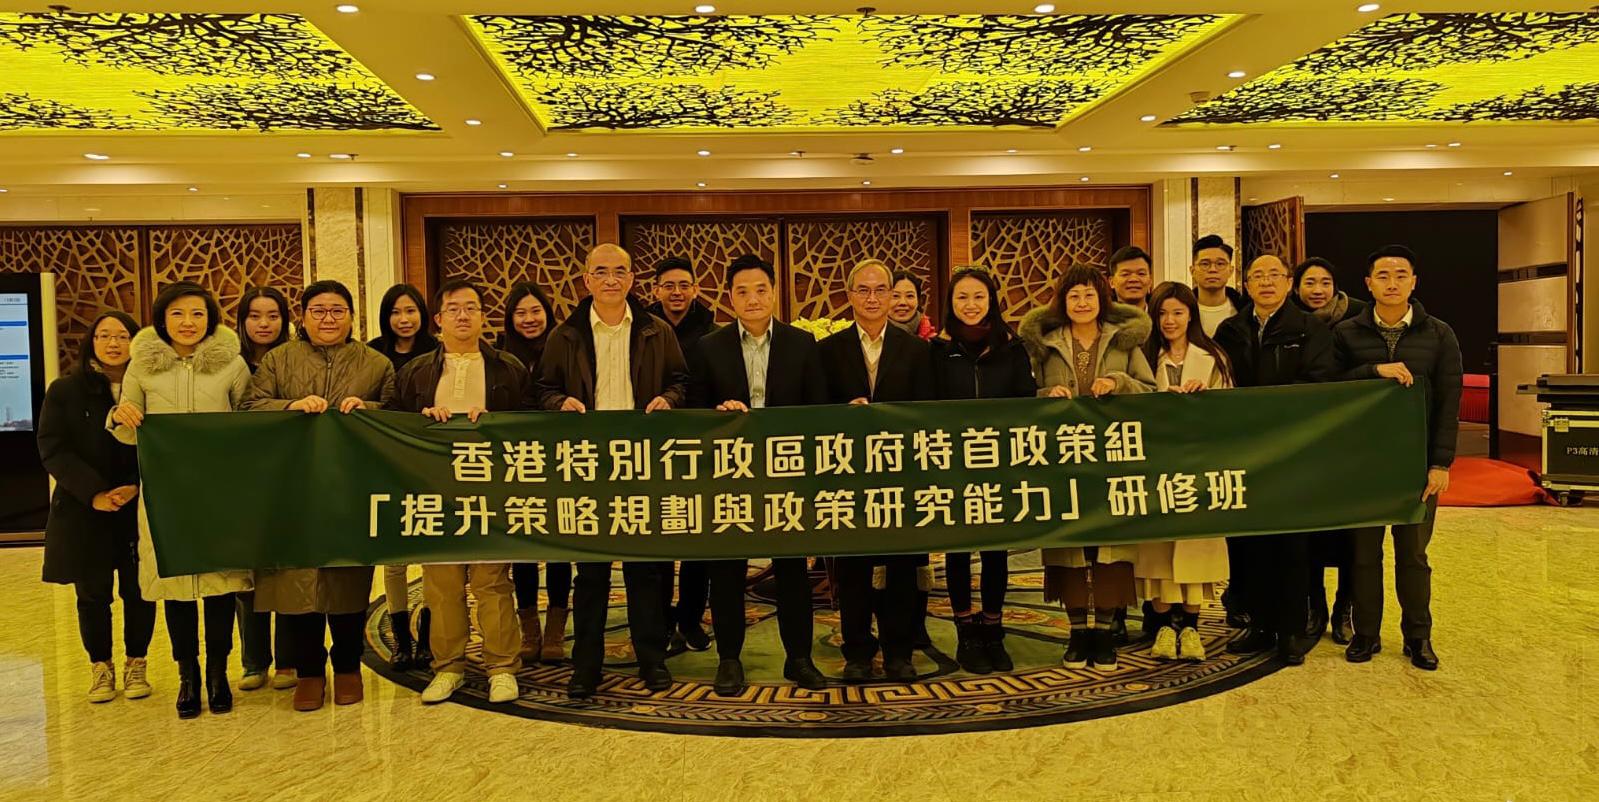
{"points": [[246, 345], [999, 332], [424, 340], [528, 350], [1196, 330], [1081, 274], [184, 289], [86, 360]]}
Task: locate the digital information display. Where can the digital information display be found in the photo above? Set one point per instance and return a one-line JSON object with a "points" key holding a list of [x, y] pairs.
{"points": [[16, 364]]}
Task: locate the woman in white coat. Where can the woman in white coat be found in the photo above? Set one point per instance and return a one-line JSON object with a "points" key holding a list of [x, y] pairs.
{"points": [[1175, 577], [186, 362]]}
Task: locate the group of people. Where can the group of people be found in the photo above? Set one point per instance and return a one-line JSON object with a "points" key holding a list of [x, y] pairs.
{"points": [[1105, 331]]}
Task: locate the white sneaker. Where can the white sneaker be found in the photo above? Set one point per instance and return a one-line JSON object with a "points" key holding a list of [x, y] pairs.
{"points": [[134, 685], [1190, 646], [443, 686], [284, 679], [502, 688], [254, 680], [102, 683], [1165, 647]]}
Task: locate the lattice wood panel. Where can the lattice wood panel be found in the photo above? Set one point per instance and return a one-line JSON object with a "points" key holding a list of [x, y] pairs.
{"points": [[820, 254], [96, 267], [547, 252], [228, 260], [1276, 228], [711, 245], [1028, 251]]}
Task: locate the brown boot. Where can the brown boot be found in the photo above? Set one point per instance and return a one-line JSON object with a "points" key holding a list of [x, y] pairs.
{"points": [[310, 693], [347, 688], [531, 637], [554, 635]]}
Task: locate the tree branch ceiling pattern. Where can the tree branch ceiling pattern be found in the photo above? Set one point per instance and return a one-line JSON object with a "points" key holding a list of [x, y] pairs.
{"points": [[187, 72], [828, 72], [1429, 68]]}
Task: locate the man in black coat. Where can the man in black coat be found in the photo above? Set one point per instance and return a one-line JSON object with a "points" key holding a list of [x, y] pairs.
{"points": [[1272, 342], [755, 363], [677, 302], [1396, 339], [872, 362]]}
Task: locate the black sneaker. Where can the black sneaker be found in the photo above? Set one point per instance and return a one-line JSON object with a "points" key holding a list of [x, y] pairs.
{"points": [[1103, 651], [994, 646], [694, 637], [1077, 649], [969, 651]]}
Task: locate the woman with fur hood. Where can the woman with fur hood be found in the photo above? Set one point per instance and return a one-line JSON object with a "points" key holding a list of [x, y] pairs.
{"points": [[185, 361], [1083, 344]]}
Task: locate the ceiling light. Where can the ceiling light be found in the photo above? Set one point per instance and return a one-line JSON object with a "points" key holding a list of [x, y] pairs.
{"points": [[339, 156], [796, 153], [507, 154], [1085, 148], [99, 157], [1148, 118], [1454, 144], [1224, 147], [700, 184], [194, 189], [705, 8], [3, 189], [1510, 172], [896, 151], [1084, 179], [302, 155], [1011, 150], [703, 152], [1044, 8], [571, 155], [91, 208], [1334, 175], [866, 183], [1236, 74], [1431, 145], [502, 186], [1367, 8], [474, 122], [347, 8], [1274, 146], [424, 76], [1387, 200]]}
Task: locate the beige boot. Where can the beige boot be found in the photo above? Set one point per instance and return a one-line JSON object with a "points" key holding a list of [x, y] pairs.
{"points": [[554, 635], [531, 639]]}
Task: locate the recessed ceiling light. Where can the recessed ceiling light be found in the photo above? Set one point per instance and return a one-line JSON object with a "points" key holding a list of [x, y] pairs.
{"points": [[796, 153], [424, 76], [1085, 148], [507, 154], [99, 157], [1454, 144], [1275, 146], [1237, 74], [705, 8], [895, 151], [1367, 8], [474, 121], [194, 189], [1334, 175], [91, 208], [1010, 150], [502, 186], [1224, 147], [338, 155], [700, 184], [226, 198], [1148, 118], [1510, 172], [302, 155], [1044, 8], [1084, 179], [347, 8], [703, 152], [866, 183], [571, 155], [1388, 200], [1432, 145], [3, 189]]}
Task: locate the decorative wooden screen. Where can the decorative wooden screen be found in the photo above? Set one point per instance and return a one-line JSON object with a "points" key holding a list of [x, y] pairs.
{"points": [[228, 260], [97, 268], [819, 254], [1276, 228], [548, 252], [710, 244], [1029, 250]]}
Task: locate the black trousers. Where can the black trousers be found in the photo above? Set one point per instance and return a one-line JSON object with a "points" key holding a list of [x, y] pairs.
{"points": [[646, 616], [257, 641], [305, 637], [183, 628], [795, 624], [1334, 549], [1412, 577], [94, 610], [995, 580], [693, 592], [1271, 576], [525, 576], [896, 606]]}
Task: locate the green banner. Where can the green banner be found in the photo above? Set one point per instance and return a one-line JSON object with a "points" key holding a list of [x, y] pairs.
{"points": [[280, 489]]}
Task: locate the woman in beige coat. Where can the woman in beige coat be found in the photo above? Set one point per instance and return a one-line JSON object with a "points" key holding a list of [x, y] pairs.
{"points": [[1177, 577], [1082, 344], [186, 362], [323, 372]]}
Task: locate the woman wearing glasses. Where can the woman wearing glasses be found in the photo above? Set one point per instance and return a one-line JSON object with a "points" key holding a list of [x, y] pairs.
{"points": [[324, 372], [1084, 345], [92, 537], [186, 362]]}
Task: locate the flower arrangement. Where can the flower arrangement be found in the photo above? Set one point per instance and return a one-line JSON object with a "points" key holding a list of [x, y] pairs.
{"points": [[820, 327]]}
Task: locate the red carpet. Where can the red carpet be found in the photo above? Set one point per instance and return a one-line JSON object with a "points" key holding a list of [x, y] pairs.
{"points": [[1482, 482]]}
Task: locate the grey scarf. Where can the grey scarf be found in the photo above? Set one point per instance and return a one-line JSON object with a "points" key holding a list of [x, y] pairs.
{"points": [[1334, 310]]}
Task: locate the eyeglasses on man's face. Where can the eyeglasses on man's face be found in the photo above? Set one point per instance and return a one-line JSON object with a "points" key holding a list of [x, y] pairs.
{"points": [[870, 292], [468, 310], [610, 273], [1270, 277]]}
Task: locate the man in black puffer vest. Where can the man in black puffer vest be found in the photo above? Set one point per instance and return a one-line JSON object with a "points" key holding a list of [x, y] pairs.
{"points": [[1397, 339]]}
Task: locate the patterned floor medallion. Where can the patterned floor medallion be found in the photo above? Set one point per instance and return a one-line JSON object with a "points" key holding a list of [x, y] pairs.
{"points": [[944, 699]]}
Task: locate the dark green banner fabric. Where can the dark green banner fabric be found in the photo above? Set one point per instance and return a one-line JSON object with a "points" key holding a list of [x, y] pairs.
{"points": [[279, 489]]}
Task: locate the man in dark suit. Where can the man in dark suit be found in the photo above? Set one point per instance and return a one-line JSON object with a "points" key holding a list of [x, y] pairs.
{"points": [[755, 363], [872, 362], [1272, 342]]}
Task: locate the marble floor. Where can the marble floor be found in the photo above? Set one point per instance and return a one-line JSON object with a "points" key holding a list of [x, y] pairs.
{"points": [[1512, 715]]}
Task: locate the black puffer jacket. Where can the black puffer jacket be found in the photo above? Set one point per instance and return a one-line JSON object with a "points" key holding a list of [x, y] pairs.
{"points": [[1294, 349], [1003, 372], [1429, 350], [80, 542]]}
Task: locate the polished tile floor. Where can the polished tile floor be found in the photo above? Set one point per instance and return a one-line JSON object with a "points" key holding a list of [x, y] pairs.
{"points": [[1512, 715]]}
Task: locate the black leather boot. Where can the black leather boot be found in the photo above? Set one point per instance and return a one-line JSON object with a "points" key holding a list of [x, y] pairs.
{"points": [[404, 646], [1343, 622], [424, 647], [218, 696], [189, 688]]}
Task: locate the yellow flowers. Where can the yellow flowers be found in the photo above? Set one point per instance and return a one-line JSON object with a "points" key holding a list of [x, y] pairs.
{"points": [[820, 327]]}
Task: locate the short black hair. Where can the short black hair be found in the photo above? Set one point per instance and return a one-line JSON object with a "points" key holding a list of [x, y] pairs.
{"points": [[455, 285], [1212, 241], [1314, 261], [905, 275], [1128, 254], [324, 287], [86, 348], [671, 263], [750, 261], [1395, 251], [183, 289]]}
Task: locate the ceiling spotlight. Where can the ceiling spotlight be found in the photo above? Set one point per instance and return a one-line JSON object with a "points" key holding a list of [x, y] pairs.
{"points": [[302, 155], [1431, 145], [424, 76], [1224, 147], [1333, 176], [1084, 179], [797, 153], [571, 155], [1085, 148], [1367, 8], [507, 154], [896, 151], [1454, 144], [98, 157], [700, 184], [194, 189], [1387, 200], [502, 186], [1510, 172], [866, 183], [1148, 118], [474, 122], [1011, 150], [1236, 74], [1274, 146], [4, 190], [1044, 8], [340, 156], [347, 8], [705, 8], [703, 152]]}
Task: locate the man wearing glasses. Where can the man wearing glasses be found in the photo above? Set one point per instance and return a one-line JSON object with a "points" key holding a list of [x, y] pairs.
{"points": [[1212, 273], [612, 354], [677, 301], [872, 362], [463, 376], [1272, 342]]}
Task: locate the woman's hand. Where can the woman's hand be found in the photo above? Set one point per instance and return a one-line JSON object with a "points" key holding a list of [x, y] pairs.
{"points": [[1057, 391], [1190, 386], [351, 404], [1102, 387], [128, 415], [310, 405]]}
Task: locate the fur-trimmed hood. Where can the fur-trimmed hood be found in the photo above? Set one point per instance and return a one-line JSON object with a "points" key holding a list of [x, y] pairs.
{"points": [[152, 355], [1126, 327]]}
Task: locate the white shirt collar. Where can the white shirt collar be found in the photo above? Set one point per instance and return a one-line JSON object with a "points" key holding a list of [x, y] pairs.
{"points": [[743, 333], [1404, 322], [596, 322], [867, 339]]}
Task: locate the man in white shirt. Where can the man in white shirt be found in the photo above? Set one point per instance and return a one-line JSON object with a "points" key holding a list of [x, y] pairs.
{"points": [[1212, 273]]}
